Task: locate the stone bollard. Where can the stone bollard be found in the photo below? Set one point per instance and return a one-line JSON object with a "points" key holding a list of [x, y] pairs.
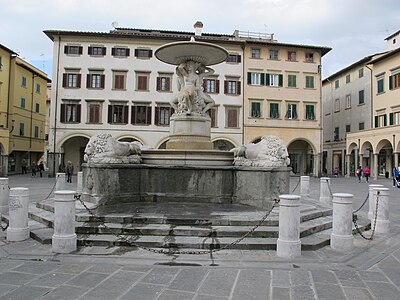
{"points": [[60, 183], [79, 184], [341, 237], [305, 187], [64, 237], [381, 195], [18, 229], [289, 244], [4, 196], [325, 195], [371, 200]]}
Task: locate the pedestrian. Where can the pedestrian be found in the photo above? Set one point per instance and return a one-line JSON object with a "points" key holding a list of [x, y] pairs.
{"points": [[336, 172], [359, 173], [367, 172], [41, 168], [33, 169], [69, 171], [396, 178], [23, 165]]}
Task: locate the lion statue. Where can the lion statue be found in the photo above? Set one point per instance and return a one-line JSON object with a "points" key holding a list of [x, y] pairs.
{"points": [[103, 148], [269, 152]]}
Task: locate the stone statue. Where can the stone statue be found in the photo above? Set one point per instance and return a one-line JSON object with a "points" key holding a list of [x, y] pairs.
{"points": [[269, 152], [103, 148], [191, 98]]}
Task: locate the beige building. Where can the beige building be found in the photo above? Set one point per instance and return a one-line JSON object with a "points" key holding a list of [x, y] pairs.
{"points": [[379, 146], [283, 98]]}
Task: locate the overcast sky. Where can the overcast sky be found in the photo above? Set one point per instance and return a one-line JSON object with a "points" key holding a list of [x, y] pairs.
{"points": [[353, 28]]}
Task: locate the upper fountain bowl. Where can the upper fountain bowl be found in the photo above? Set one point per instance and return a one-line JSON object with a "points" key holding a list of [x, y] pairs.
{"points": [[180, 52]]}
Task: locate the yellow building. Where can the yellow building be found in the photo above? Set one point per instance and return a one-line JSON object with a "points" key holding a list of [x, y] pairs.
{"points": [[283, 98], [22, 111], [379, 146]]}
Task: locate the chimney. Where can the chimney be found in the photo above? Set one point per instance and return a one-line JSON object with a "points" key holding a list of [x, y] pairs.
{"points": [[198, 27]]}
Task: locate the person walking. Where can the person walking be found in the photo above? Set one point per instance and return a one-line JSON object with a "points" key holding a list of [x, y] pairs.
{"points": [[41, 168], [33, 169], [359, 173], [23, 166], [395, 174], [367, 172], [69, 171]]}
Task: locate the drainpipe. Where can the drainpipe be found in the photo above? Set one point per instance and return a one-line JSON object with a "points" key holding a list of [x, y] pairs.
{"points": [[372, 108], [243, 81], [32, 92], [55, 108]]}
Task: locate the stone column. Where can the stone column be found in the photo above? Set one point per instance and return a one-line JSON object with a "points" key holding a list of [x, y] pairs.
{"points": [[289, 244], [348, 159], [325, 195], [356, 163], [381, 195], [79, 185], [305, 187], [396, 159], [361, 160], [60, 183], [4, 195], [375, 168], [64, 237], [371, 200], [341, 236], [18, 229]]}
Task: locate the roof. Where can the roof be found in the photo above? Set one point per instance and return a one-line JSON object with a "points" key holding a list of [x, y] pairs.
{"points": [[386, 55], [32, 69], [7, 49], [392, 35]]}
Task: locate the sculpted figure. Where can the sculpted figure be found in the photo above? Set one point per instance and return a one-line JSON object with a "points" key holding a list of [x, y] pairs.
{"points": [[269, 152], [103, 148]]}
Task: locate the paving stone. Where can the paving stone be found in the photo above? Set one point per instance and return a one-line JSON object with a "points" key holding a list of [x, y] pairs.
{"points": [[143, 269], [6, 288], [329, 291], [219, 282], [252, 284], [280, 293], [65, 293], [383, 290], [372, 276], [160, 276], [175, 295], [188, 279], [87, 279], [393, 275], [280, 278], [26, 292], [72, 268], [302, 292], [323, 276], [37, 267], [16, 278], [8, 265], [349, 278], [51, 280], [206, 297], [143, 291], [104, 268], [389, 263], [354, 293], [300, 277]]}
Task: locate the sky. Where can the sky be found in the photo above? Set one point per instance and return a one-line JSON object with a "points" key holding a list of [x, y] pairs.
{"points": [[352, 28]]}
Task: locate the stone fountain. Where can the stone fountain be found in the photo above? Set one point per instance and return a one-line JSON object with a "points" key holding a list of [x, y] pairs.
{"points": [[189, 170]]}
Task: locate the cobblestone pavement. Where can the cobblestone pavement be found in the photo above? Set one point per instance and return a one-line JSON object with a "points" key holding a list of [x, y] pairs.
{"points": [[29, 270]]}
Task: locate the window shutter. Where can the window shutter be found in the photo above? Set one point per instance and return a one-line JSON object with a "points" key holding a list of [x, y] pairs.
{"points": [[248, 77], [62, 113], [390, 82], [225, 86], [128, 52], [109, 117], [391, 119], [376, 121], [90, 50], [158, 84], [78, 79], [113, 51], [133, 115], [104, 50], [232, 118], [168, 83], [88, 81], [262, 79], [66, 48], [217, 86], [280, 80], [80, 49], [157, 113], [148, 115], [150, 53], [239, 58], [64, 83], [238, 88], [212, 115], [126, 112], [385, 120], [267, 81], [78, 113], [136, 52], [102, 81]]}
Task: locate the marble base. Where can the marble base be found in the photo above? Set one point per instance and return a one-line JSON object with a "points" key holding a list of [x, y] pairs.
{"points": [[17, 234], [288, 249], [64, 243], [342, 243]]}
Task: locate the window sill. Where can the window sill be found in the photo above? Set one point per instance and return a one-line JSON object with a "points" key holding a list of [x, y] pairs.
{"points": [[118, 123], [293, 87], [310, 120], [142, 91], [94, 55], [270, 118], [274, 59], [95, 88], [361, 104], [232, 127], [116, 56], [310, 88], [161, 91], [94, 123], [288, 60], [309, 62], [232, 94], [118, 89]]}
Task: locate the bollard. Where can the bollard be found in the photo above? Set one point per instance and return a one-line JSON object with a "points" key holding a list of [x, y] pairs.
{"points": [[64, 237], [341, 236], [289, 244], [371, 200], [325, 195], [79, 180], [305, 187], [18, 229], [381, 195], [4, 196], [60, 184]]}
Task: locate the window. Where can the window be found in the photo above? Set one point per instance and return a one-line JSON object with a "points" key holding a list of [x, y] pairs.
{"points": [[164, 83], [361, 126], [163, 113], [274, 79], [291, 113], [348, 78], [273, 54], [213, 113], [71, 80], [291, 80], [38, 88], [37, 107], [143, 53], [119, 80], [310, 114], [348, 127], [255, 78], [95, 81], [94, 112], [141, 115], [337, 104], [361, 73], [394, 81], [232, 117], [255, 53], [380, 83], [211, 85], [142, 82], [310, 57], [291, 56], [274, 111], [120, 52], [21, 129], [255, 109], [23, 102], [309, 82], [348, 101], [234, 58], [380, 121], [361, 97], [73, 50], [36, 132], [23, 81], [97, 50], [232, 87], [118, 113], [70, 112], [336, 134], [336, 84], [394, 118]]}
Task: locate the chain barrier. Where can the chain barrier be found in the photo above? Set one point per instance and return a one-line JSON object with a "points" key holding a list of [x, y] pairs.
{"points": [[172, 251], [329, 187], [362, 205], [54, 186], [355, 218], [296, 185]]}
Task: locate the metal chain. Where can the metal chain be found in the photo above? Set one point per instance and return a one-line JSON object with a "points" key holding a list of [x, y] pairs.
{"points": [[365, 201], [329, 187], [373, 229], [55, 183], [296, 185], [171, 251]]}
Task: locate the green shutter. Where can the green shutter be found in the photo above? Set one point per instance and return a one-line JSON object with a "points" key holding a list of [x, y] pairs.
{"points": [[376, 121], [262, 79], [385, 120], [391, 119], [280, 80], [267, 79], [248, 77], [390, 82]]}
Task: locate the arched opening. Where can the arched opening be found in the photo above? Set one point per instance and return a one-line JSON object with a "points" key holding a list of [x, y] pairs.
{"points": [[223, 145], [385, 151], [302, 157], [129, 140], [73, 150]]}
